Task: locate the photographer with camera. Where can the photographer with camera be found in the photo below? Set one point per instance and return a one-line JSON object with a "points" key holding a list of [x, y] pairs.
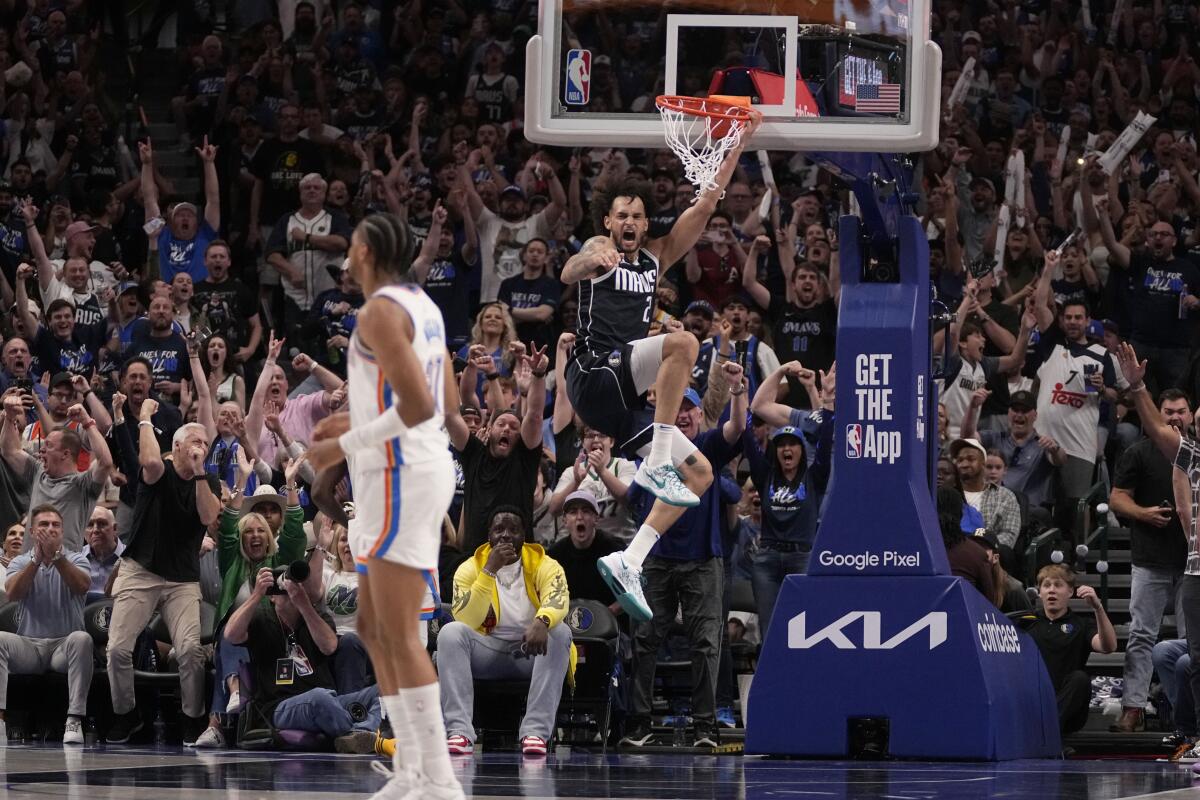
{"points": [[291, 648]]}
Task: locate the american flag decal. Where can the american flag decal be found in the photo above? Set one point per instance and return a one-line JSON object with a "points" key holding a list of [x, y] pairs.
{"points": [[879, 98]]}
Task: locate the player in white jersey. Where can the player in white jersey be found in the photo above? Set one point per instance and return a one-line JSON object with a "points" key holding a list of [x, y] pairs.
{"points": [[403, 480]]}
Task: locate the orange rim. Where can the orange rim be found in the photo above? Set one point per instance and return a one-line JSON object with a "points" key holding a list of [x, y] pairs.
{"points": [[703, 107]]}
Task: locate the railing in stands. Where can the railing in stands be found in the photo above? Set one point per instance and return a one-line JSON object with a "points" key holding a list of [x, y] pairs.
{"points": [[1096, 495]]}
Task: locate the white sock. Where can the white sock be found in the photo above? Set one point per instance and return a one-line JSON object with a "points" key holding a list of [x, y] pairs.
{"points": [[408, 753], [640, 547], [660, 445], [423, 710]]}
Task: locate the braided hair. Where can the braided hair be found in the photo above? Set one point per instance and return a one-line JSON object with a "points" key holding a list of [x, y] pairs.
{"points": [[390, 241]]}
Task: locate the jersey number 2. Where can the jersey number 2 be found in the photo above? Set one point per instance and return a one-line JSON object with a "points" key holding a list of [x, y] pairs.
{"points": [[649, 308]]}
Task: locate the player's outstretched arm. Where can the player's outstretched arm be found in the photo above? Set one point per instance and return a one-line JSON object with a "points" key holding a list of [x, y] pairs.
{"points": [[691, 223], [597, 255]]}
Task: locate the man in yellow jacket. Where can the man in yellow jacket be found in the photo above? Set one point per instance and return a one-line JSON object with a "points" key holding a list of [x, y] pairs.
{"points": [[509, 605]]}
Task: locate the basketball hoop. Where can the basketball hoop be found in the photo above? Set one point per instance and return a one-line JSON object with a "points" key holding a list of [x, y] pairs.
{"points": [[701, 131]]}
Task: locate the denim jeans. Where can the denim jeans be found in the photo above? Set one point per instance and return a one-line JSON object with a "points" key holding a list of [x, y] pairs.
{"points": [[696, 587], [228, 660], [1153, 592], [1172, 663], [351, 664], [770, 568], [324, 711]]}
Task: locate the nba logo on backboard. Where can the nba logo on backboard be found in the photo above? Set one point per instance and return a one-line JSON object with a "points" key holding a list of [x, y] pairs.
{"points": [[854, 441], [579, 77]]}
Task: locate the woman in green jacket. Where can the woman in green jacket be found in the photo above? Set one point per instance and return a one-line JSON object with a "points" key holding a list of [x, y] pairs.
{"points": [[261, 531]]}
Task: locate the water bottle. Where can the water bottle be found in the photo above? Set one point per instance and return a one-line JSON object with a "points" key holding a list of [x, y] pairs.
{"points": [[679, 731], [89, 731]]}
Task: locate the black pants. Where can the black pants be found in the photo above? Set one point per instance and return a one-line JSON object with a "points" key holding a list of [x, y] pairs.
{"points": [[696, 587], [726, 686], [1074, 696], [1189, 591]]}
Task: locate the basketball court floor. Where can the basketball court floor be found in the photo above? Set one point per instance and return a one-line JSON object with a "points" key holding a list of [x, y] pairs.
{"points": [[116, 773]]}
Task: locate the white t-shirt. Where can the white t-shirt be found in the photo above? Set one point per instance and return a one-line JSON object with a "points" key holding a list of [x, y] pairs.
{"points": [[1068, 410], [341, 598], [500, 245], [615, 518], [973, 498], [956, 394], [516, 611], [102, 277]]}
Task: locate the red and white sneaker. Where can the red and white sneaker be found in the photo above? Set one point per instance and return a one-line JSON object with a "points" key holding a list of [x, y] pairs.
{"points": [[533, 746], [459, 745]]}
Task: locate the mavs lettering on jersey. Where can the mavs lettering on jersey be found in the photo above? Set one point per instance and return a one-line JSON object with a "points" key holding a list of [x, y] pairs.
{"points": [[615, 308]]}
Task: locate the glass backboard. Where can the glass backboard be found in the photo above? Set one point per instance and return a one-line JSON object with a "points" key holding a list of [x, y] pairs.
{"points": [[863, 74]]}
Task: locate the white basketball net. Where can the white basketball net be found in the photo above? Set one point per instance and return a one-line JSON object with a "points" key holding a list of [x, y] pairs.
{"points": [[690, 136]]}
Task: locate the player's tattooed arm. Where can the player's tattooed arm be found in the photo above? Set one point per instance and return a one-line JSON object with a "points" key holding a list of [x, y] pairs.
{"points": [[597, 255]]}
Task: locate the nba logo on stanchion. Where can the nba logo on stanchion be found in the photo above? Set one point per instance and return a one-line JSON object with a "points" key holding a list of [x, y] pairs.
{"points": [[579, 77], [854, 441]]}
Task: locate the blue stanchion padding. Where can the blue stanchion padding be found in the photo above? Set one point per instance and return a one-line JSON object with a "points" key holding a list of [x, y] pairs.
{"points": [[952, 675], [879, 517]]}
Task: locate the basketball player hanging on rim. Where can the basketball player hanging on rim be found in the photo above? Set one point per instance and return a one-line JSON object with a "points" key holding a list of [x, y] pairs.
{"points": [[403, 477], [614, 362]]}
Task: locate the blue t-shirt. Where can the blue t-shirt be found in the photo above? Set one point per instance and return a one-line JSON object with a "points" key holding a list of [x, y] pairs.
{"points": [[168, 355], [521, 292], [178, 255], [697, 534], [448, 284]]}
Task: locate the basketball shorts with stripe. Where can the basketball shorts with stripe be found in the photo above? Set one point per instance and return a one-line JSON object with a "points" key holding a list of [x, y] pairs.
{"points": [[608, 391], [399, 513]]}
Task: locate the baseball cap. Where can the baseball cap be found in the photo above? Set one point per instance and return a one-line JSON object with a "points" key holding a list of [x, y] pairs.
{"points": [[957, 446], [971, 36], [467, 409], [690, 396], [78, 227], [1111, 326], [740, 299], [701, 307], [787, 430], [582, 496], [423, 181], [987, 539], [1095, 330], [181, 206], [127, 286], [602, 61], [62, 377], [978, 179], [513, 190], [1022, 399]]}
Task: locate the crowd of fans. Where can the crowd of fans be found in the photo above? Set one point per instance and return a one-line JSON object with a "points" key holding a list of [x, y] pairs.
{"points": [[142, 322]]}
